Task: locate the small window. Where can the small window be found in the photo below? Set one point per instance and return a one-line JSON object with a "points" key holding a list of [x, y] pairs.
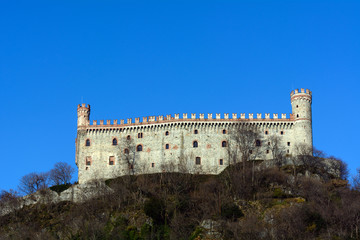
{"points": [[297, 115], [288, 143], [139, 148], [258, 143], [282, 133], [167, 133], [112, 160], [152, 164], [87, 143], [88, 161], [267, 151], [140, 135], [266, 132], [114, 142], [128, 137], [195, 144], [297, 106], [288, 151], [224, 131], [221, 162], [167, 146], [250, 151], [269, 143], [126, 151], [196, 131], [224, 144], [197, 160]]}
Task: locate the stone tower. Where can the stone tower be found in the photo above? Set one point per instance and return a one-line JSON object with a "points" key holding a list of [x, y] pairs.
{"points": [[301, 110], [83, 112]]}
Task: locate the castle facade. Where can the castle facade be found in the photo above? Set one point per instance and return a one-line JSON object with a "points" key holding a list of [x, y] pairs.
{"points": [[191, 143]]}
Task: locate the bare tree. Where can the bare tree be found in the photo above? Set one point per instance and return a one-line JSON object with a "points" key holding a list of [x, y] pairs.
{"points": [[9, 199], [61, 173], [356, 180], [128, 154], [33, 182], [244, 145], [277, 150]]}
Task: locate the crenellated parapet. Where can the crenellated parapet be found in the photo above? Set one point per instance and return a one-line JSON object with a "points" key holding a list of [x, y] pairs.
{"points": [[305, 94], [193, 118]]}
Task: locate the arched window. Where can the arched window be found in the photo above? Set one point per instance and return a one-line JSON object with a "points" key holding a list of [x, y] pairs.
{"points": [[258, 143], [195, 144], [128, 137], [224, 144], [224, 131], [198, 160], [167, 133], [126, 151], [266, 132], [140, 135], [114, 142], [195, 131], [167, 146], [139, 148], [87, 143]]}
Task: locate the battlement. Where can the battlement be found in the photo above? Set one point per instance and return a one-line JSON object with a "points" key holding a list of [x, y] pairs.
{"points": [[83, 105], [194, 117], [302, 91]]}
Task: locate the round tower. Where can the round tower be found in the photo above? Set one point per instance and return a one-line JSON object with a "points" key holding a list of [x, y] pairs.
{"points": [[301, 110], [83, 112]]}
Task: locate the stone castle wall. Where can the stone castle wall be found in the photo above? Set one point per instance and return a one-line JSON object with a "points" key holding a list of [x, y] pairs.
{"points": [[168, 142]]}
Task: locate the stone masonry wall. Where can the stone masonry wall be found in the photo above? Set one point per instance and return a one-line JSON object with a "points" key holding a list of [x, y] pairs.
{"points": [[210, 135]]}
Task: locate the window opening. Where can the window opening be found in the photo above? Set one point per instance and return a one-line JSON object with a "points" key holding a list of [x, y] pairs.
{"points": [[195, 131], [221, 162], [224, 144], [224, 131], [195, 144], [167, 146], [197, 160], [258, 143], [140, 135], [128, 137], [139, 148], [88, 161], [111, 160], [114, 142], [87, 142], [167, 133]]}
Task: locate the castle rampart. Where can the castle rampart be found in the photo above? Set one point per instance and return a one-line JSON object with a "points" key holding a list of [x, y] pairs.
{"points": [[163, 141]]}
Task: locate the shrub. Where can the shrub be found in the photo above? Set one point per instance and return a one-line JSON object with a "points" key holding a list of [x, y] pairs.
{"points": [[231, 211]]}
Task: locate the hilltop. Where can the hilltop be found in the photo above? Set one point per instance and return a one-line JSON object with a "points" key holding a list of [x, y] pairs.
{"points": [[243, 202]]}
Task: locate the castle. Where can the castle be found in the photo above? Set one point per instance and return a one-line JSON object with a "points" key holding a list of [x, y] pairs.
{"points": [[197, 144]]}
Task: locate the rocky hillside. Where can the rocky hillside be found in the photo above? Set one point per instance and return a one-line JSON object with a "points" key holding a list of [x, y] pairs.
{"points": [[244, 202]]}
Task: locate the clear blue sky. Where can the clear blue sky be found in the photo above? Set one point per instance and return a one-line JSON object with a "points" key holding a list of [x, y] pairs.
{"points": [[141, 58]]}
